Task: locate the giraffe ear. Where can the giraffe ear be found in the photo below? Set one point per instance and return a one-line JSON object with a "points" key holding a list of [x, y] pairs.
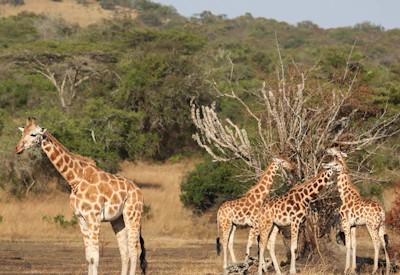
{"points": [[343, 154], [21, 129]]}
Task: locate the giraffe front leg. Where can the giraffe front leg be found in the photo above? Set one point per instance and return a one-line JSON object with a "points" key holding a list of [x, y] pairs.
{"points": [[121, 233], [253, 233], [261, 247], [90, 230], [346, 231], [353, 248], [294, 230], [271, 248], [225, 230]]}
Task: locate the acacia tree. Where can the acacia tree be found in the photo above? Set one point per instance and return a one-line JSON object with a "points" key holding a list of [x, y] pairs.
{"points": [[299, 116], [66, 77]]}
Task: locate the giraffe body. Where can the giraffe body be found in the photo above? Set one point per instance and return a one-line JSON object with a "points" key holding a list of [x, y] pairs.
{"points": [[288, 210], [356, 211], [96, 196], [243, 210]]}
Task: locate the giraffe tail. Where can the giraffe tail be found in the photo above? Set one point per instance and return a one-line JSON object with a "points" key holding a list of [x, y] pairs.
{"points": [[143, 262], [386, 238], [218, 244]]}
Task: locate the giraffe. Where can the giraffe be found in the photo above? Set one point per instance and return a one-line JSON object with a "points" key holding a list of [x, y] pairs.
{"points": [[96, 196], [289, 209], [356, 211], [239, 212]]}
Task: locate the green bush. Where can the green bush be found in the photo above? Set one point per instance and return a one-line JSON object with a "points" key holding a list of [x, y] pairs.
{"points": [[210, 184], [61, 221]]}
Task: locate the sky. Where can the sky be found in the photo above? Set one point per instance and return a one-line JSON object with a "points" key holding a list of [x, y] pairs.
{"points": [[325, 13]]}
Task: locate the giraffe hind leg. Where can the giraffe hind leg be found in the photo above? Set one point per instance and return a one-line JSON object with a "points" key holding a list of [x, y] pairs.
{"points": [[121, 233], [132, 219], [374, 233], [384, 241], [230, 243]]}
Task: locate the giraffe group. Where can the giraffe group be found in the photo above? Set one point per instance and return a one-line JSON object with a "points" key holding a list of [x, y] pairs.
{"points": [[96, 196], [292, 208]]}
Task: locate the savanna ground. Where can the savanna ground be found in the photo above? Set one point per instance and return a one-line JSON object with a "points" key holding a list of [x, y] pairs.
{"points": [[177, 241]]}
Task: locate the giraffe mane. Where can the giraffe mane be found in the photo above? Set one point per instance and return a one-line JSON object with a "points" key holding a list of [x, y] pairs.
{"points": [[77, 156]]}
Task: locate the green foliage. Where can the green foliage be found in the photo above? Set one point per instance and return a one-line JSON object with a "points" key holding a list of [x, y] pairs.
{"points": [[147, 211], [61, 221], [18, 28], [372, 191], [210, 184], [147, 70]]}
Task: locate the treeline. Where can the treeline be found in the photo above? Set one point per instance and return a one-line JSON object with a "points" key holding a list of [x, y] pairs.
{"points": [[139, 76]]}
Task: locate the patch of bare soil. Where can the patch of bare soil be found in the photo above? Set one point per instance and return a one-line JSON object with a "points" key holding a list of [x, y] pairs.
{"points": [[67, 258]]}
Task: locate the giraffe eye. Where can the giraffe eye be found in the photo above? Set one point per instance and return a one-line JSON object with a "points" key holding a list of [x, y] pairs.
{"points": [[33, 135]]}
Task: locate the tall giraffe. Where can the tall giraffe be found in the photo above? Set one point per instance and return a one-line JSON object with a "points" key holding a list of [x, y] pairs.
{"points": [[96, 196], [356, 211], [239, 212], [289, 209]]}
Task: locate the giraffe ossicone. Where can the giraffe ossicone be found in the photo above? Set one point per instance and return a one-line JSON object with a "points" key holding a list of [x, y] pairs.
{"points": [[96, 196]]}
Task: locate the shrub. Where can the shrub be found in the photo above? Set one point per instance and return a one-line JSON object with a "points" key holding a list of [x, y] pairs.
{"points": [[210, 184], [61, 221]]}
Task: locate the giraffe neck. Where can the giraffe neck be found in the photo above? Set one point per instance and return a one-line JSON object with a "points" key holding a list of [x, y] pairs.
{"points": [[315, 185], [69, 165], [345, 186], [264, 184]]}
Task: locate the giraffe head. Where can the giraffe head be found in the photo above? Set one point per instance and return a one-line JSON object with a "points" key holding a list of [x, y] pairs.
{"points": [[336, 153], [32, 135], [284, 163], [335, 166]]}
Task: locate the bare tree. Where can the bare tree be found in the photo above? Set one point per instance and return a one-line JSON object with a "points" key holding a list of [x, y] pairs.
{"points": [[295, 116]]}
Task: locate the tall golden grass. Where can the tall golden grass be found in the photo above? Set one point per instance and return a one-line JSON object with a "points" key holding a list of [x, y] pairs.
{"points": [[167, 219]]}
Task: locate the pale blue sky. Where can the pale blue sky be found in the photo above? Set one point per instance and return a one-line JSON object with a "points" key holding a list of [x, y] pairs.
{"points": [[325, 13]]}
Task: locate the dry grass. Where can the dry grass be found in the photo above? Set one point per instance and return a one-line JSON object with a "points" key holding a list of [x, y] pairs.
{"points": [[161, 187], [69, 10], [168, 222]]}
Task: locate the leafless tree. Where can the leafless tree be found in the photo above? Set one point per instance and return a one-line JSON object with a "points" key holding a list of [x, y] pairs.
{"points": [[295, 116]]}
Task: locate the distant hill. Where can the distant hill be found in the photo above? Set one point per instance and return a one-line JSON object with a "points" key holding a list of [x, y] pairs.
{"points": [[69, 10]]}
